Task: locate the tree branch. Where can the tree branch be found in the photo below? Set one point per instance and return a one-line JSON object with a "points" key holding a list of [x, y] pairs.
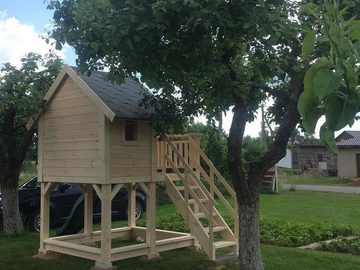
{"points": [[271, 91], [287, 125]]}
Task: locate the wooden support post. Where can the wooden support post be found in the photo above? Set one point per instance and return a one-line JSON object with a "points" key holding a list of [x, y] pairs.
{"points": [[88, 209], [105, 261], [151, 221], [46, 188], [131, 205]]}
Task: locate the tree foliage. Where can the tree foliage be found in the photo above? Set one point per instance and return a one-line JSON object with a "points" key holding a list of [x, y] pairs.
{"points": [[202, 57], [331, 83], [21, 96]]}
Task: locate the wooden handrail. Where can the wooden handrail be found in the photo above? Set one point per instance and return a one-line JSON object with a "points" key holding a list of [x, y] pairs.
{"points": [[198, 181], [210, 164], [193, 194], [216, 190]]}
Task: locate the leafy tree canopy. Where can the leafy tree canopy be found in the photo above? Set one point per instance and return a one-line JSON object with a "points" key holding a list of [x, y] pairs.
{"points": [[21, 96], [206, 52]]}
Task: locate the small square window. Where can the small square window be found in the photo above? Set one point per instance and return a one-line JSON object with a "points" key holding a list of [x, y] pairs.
{"points": [[131, 131]]}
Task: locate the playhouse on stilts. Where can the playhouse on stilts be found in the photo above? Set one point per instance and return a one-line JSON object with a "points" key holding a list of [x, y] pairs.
{"points": [[92, 132]]}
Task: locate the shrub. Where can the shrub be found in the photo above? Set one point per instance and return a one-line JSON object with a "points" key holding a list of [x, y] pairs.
{"points": [[342, 245], [272, 231]]}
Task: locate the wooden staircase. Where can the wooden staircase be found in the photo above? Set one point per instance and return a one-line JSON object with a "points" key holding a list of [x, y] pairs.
{"points": [[192, 183], [270, 181]]}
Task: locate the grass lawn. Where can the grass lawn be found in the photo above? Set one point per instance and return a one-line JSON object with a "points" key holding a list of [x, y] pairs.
{"points": [[313, 207], [300, 206], [16, 253], [314, 180]]}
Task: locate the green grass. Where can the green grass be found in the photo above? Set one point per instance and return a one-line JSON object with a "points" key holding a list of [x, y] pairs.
{"points": [[16, 253], [314, 180], [300, 206], [313, 207]]}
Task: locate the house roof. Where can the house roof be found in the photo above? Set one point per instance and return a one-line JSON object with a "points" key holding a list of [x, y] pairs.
{"points": [[123, 99], [114, 100], [354, 133], [353, 142]]}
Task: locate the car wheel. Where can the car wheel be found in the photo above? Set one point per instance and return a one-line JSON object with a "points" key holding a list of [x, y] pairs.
{"points": [[33, 222], [139, 209]]}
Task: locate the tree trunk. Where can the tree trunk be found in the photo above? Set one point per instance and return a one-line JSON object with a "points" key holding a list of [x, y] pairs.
{"points": [[12, 222], [250, 257], [247, 191]]}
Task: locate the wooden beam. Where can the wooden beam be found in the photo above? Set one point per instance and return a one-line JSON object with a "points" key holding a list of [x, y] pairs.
{"points": [[44, 216], [88, 209], [131, 205], [145, 188], [151, 221], [106, 224], [98, 191], [40, 149], [115, 190]]}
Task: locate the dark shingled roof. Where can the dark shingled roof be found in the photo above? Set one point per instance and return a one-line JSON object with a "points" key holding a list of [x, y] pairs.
{"points": [[354, 133], [353, 142], [122, 99]]}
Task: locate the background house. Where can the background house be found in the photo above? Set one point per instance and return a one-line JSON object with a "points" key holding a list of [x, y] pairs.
{"points": [[348, 144], [309, 154]]}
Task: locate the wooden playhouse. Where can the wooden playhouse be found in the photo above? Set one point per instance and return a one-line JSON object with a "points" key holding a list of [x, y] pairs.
{"points": [[94, 133]]}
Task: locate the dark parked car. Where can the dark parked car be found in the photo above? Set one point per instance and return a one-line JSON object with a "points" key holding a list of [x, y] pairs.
{"points": [[62, 200]]}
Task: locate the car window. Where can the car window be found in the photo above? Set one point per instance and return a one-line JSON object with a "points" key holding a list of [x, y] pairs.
{"points": [[32, 183]]}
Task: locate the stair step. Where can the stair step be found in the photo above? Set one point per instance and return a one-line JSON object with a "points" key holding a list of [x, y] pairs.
{"points": [[173, 176], [222, 244], [181, 188], [202, 215], [216, 229], [192, 201]]}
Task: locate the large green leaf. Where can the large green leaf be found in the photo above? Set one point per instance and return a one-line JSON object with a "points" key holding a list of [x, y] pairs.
{"points": [[327, 138], [311, 119], [310, 74], [308, 44], [325, 82], [340, 111], [307, 101]]}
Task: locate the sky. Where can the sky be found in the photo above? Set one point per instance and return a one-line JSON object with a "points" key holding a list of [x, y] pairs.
{"points": [[23, 23]]}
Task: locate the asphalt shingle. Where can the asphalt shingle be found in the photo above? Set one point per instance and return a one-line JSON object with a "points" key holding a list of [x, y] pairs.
{"points": [[123, 99], [353, 142]]}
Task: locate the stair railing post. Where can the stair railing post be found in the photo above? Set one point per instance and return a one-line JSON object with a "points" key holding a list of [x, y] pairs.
{"points": [[186, 193], [211, 216]]}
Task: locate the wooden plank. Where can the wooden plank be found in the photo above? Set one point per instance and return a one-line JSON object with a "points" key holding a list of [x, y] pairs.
{"points": [[84, 109], [66, 104], [68, 128], [82, 251], [40, 149], [88, 210], [104, 148], [79, 145], [70, 172], [131, 205], [98, 191], [71, 163], [131, 251], [72, 179], [115, 190], [90, 135], [70, 154], [44, 217], [129, 154], [72, 119], [151, 221], [125, 162], [106, 224], [137, 179], [130, 172]]}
